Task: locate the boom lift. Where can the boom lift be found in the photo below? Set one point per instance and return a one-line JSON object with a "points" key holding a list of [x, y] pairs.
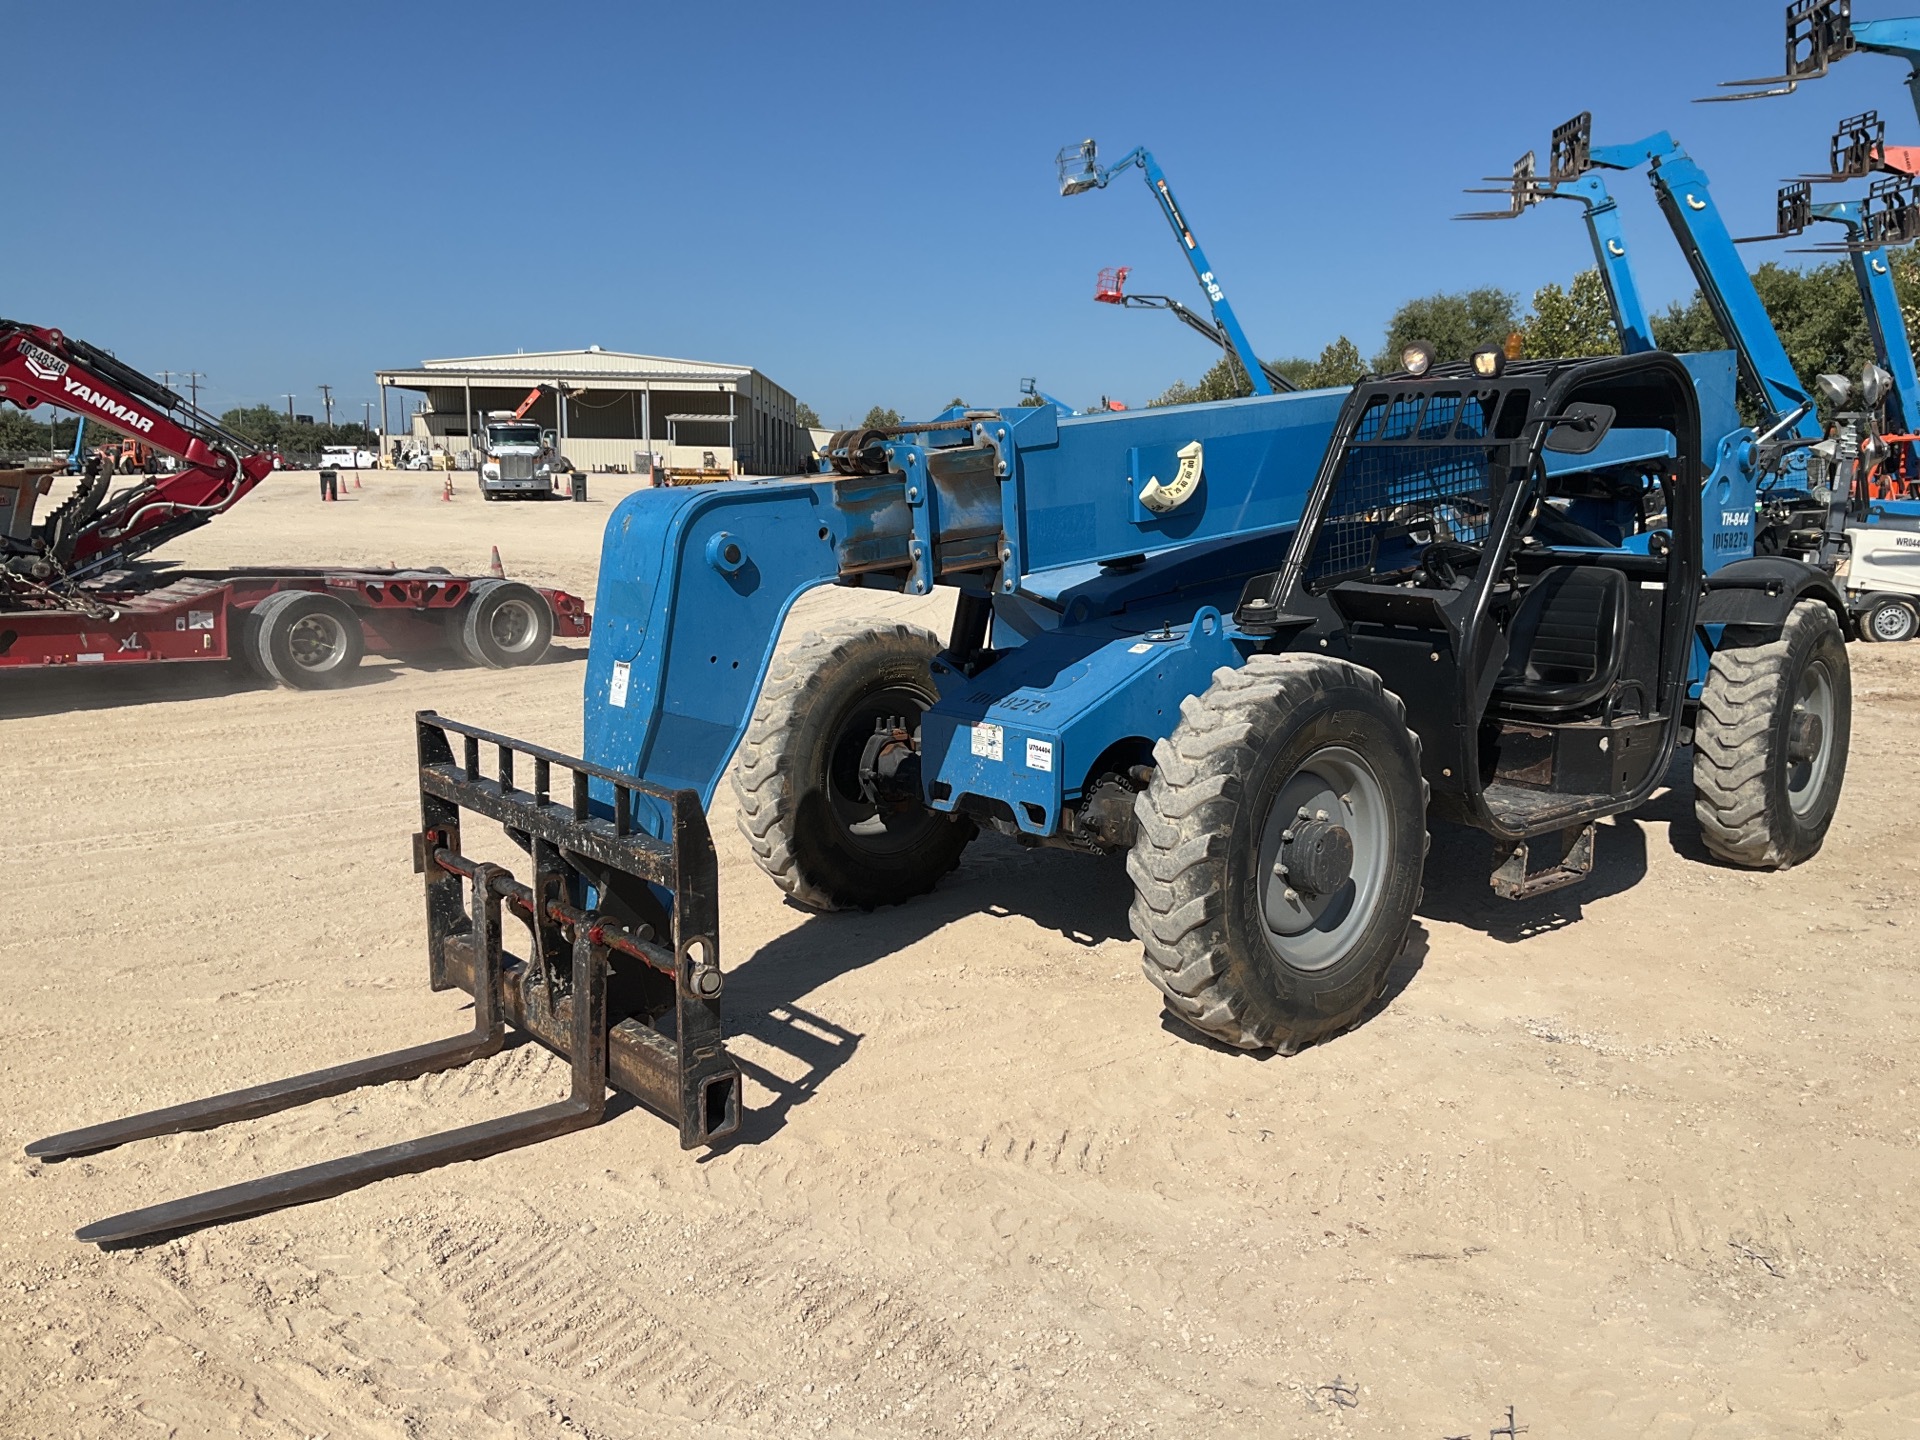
{"points": [[75, 589], [1111, 289], [1251, 645], [1080, 170]]}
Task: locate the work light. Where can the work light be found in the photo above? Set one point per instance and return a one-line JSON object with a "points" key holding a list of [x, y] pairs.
{"points": [[1417, 358], [1489, 361]]}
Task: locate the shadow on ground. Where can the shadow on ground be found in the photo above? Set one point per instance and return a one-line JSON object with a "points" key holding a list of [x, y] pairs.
{"points": [[25, 694]]}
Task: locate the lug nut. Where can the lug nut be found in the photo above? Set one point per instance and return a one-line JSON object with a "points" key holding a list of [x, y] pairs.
{"points": [[1293, 896]]}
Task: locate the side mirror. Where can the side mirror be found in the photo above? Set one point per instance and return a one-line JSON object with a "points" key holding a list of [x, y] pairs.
{"points": [[1579, 429], [1834, 389], [546, 437]]}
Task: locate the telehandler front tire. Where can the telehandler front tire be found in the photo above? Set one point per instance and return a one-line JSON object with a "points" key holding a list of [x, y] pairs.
{"points": [[1770, 742], [798, 779], [1279, 851]]}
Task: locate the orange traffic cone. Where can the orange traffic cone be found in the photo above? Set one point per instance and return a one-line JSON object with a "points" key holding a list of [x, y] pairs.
{"points": [[356, 479], [447, 492], [495, 569]]}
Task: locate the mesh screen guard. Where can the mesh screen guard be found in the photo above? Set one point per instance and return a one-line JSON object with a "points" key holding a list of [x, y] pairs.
{"points": [[1422, 465]]}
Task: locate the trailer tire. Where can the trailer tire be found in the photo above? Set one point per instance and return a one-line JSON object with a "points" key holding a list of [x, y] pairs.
{"points": [[798, 776], [1888, 620], [306, 639], [504, 624], [1240, 954], [1770, 742]]}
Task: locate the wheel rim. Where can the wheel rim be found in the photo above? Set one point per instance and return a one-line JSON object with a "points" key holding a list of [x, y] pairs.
{"points": [[513, 626], [1891, 622], [317, 642], [875, 830], [1329, 827], [1810, 738]]}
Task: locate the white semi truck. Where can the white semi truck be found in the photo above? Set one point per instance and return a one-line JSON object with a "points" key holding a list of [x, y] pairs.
{"points": [[518, 458]]}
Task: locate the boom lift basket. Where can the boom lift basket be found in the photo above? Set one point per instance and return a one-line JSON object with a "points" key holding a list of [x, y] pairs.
{"points": [[1111, 286], [622, 984]]}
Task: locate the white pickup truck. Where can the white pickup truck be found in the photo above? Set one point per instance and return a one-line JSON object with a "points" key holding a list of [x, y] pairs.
{"points": [[348, 457]]}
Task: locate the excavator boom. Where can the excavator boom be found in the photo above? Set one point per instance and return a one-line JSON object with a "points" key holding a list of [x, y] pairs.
{"points": [[92, 533]]}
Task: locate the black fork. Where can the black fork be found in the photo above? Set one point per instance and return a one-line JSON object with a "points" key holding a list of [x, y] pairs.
{"points": [[583, 1107]]}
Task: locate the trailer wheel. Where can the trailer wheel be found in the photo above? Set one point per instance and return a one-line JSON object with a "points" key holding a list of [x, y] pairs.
{"points": [[504, 624], [826, 844], [1279, 851], [1770, 742], [306, 639], [1889, 620]]}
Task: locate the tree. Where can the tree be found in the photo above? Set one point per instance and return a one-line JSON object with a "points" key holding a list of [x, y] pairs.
{"points": [[1226, 379], [879, 419], [1816, 313], [1571, 322], [809, 417], [1454, 324], [1031, 402], [22, 435], [1687, 328], [955, 404], [270, 429], [1339, 365]]}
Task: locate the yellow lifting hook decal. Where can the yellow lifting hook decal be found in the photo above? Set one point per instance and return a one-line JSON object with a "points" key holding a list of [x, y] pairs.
{"points": [[1162, 498]]}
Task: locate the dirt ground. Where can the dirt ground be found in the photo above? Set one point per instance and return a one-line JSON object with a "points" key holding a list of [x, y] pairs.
{"points": [[1638, 1158]]}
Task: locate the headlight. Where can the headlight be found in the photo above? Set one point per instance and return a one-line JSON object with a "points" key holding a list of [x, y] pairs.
{"points": [[490, 470], [1417, 358], [1489, 361], [1874, 384]]}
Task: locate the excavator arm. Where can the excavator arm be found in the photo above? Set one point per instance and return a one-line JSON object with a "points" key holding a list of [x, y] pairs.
{"points": [[95, 531]]}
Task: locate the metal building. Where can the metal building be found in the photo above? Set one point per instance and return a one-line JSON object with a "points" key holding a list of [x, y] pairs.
{"points": [[609, 409]]}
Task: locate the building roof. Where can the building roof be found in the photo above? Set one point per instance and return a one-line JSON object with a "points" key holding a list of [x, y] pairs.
{"points": [[588, 365]]}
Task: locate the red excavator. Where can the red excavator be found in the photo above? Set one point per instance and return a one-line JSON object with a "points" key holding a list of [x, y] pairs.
{"points": [[75, 590]]}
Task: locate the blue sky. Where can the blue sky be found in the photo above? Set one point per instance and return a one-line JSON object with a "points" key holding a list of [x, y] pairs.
{"points": [[858, 199]]}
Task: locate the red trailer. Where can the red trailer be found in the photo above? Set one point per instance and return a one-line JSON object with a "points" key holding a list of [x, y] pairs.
{"points": [[73, 589]]}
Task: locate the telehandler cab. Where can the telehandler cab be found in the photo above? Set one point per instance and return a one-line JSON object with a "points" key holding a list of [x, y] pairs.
{"points": [[1498, 606]]}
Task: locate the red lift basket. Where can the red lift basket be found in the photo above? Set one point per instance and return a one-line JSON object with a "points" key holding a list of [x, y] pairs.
{"points": [[1111, 287]]}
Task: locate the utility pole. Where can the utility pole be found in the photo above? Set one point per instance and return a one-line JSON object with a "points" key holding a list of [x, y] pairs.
{"points": [[289, 396], [193, 379], [367, 423], [326, 398], [166, 378]]}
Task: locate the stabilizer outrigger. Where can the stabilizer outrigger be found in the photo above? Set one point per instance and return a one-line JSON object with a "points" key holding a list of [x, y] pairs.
{"points": [[600, 987]]}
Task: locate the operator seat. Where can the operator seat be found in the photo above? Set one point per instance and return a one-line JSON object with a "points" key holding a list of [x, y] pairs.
{"points": [[1567, 641]]}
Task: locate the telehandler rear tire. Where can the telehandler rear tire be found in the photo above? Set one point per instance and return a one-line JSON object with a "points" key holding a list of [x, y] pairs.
{"points": [[1279, 851], [1770, 742], [798, 779]]}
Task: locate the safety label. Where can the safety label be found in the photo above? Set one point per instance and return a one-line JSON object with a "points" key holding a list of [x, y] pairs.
{"points": [[1040, 755], [198, 620], [617, 687], [1142, 648], [989, 742]]}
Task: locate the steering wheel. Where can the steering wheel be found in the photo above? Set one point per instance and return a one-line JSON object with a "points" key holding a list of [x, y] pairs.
{"points": [[1442, 562]]}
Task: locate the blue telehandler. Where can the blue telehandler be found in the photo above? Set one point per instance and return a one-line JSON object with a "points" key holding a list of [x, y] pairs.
{"points": [[1254, 646], [1806, 502]]}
